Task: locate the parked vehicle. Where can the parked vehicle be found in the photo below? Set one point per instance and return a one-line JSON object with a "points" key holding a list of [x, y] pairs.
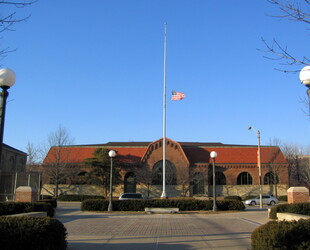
{"points": [[131, 196], [267, 200]]}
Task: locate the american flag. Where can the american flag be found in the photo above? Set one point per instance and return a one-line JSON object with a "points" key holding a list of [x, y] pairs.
{"points": [[177, 96]]}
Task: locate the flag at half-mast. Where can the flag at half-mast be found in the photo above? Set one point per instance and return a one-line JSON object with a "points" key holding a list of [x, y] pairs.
{"points": [[177, 96]]}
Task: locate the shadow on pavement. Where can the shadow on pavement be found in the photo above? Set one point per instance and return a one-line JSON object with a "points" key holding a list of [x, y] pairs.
{"points": [[127, 246]]}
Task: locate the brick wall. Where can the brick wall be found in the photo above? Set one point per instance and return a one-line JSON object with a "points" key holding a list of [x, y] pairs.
{"points": [[26, 194], [297, 194]]}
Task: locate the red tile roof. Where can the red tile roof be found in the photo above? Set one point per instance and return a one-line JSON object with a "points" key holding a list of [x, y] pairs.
{"points": [[132, 152], [80, 153], [233, 155]]}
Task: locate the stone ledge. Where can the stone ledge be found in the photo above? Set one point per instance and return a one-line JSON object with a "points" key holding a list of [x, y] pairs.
{"points": [[31, 214], [291, 216], [162, 210]]}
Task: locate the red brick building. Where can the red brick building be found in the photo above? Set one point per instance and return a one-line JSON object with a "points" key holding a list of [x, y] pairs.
{"points": [[188, 167]]}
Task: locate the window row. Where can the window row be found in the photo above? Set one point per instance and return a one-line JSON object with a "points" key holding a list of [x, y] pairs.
{"points": [[243, 178]]}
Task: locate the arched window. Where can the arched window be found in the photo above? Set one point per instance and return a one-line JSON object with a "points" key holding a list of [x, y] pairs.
{"points": [[198, 183], [244, 179], [220, 179], [130, 183], [271, 178], [157, 173]]}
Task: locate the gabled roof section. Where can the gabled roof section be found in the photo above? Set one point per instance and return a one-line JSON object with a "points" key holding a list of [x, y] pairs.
{"points": [[168, 141]]}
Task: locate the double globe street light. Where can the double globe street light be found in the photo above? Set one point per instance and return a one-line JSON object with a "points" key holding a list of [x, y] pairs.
{"points": [[7, 80]]}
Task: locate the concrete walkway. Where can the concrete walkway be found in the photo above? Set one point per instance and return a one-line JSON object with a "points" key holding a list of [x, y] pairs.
{"points": [[88, 230]]}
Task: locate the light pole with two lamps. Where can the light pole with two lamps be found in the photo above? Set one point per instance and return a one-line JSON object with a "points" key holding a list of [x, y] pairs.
{"points": [[7, 80], [259, 167], [213, 155], [112, 154]]}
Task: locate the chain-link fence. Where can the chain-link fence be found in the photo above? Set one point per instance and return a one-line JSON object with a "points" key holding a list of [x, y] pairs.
{"points": [[10, 181]]}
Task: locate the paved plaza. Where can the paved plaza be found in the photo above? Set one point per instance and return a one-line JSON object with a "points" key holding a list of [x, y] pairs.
{"points": [[223, 230]]}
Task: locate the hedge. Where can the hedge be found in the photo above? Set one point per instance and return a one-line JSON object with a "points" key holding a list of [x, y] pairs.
{"points": [[72, 197], [296, 208], [33, 233], [233, 197], [282, 235], [8, 208], [139, 205], [52, 201], [282, 198]]}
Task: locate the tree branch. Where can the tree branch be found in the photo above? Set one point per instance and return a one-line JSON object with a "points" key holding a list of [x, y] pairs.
{"points": [[296, 11], [281, 54], [292, 11]]}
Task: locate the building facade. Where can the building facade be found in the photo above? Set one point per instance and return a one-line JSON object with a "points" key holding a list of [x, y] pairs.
{"points": [[12, 160], [13, 164], [188, 167]]}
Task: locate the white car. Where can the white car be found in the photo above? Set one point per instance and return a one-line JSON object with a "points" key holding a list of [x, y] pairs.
{"points": [[267, 200]]}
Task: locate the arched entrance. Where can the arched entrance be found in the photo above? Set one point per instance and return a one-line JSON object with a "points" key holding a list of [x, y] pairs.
{"points": [[157, 173]]}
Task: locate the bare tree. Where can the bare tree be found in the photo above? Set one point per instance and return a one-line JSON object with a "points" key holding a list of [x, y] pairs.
{"points": [[183, 179], [298, 163], [305, 171], [272, 177], [9, 18], [293, 157], [32, 154], [58, 163], [296, 11], [33, 159], [144, 177]]}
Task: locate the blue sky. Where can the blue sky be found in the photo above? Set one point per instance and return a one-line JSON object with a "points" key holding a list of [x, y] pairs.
{"points": [[96, 68]]}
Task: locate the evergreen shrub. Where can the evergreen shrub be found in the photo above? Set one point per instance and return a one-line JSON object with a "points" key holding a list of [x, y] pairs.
{"points": [[32, 233], [139, 205], [282, 235], [43, 197], [233, 197], [73, 197], [8, 208], [52, 201], [282, 198], [295, 208]]}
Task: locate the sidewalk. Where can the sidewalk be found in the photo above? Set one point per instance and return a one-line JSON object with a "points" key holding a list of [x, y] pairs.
{"points": [[88, 230]]}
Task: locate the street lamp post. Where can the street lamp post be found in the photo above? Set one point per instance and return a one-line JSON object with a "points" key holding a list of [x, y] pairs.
{"points": [[7, 80], [304, 77], [259, 167], [112, 154], [213, 155]]}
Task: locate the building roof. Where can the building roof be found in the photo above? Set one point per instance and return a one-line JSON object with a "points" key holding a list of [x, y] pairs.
{"points": [[13, 149], [196, 152]]}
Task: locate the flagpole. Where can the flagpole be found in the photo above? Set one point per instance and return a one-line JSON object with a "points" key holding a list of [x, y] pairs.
{"points": [[164, 195]]}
